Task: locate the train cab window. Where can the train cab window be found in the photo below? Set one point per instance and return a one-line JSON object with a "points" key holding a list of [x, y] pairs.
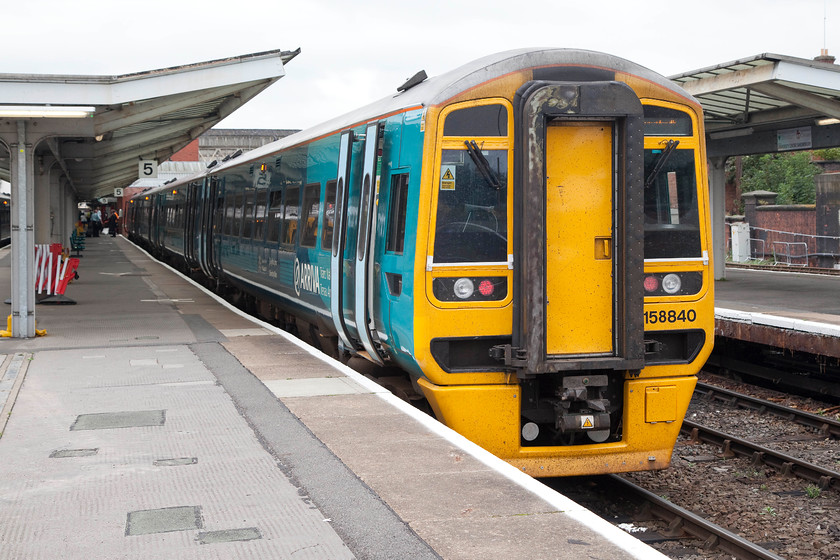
{"points": [[396, 214], [664, 121], [309, 215], [472, 188], [471, 223], [483, 120], [329, 216], [672, 220]]}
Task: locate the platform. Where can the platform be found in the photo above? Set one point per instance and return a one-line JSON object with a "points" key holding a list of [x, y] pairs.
{"points": [[154, 421], [785, 308]]}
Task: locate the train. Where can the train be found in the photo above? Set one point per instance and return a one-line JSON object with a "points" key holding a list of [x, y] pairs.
{"points": [[526, 238], [5, 219]]}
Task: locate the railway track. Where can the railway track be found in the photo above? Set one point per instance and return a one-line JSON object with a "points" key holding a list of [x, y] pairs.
{"points": [[732, 446], [733, 497], [826, 425], [681, 521]]}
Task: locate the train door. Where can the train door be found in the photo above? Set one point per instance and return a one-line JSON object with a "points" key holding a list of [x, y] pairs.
{"points": [[204, 247], [578, 261], [353, 246], [579, 247], [190, 224], [338, 291], [214, 231], [364, 277]]}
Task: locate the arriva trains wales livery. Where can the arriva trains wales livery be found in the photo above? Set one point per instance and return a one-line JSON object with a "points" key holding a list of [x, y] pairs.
{"points": [[525, 237]]}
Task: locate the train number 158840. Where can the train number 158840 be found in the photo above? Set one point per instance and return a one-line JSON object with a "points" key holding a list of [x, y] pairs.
{"points": [[670, 316]]}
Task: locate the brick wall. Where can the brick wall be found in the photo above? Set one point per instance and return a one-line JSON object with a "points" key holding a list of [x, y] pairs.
{"points": [[798, 219]]}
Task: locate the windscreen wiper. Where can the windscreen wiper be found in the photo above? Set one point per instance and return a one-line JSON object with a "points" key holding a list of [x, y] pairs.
{"points": [[482, 164], [660, 163]]}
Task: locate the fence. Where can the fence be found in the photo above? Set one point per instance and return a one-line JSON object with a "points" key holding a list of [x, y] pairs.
{"points": [[790, 248]]}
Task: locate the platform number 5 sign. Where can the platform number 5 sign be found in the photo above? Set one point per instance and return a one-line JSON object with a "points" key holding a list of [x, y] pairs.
{"points": [[148, 168]]}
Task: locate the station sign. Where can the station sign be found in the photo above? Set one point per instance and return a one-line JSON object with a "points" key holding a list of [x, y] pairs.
{"points": [[794, 139], [118, 192], [148, 169]]}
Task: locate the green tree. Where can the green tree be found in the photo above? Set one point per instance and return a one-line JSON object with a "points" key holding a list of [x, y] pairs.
{"points": [[789, 174]]}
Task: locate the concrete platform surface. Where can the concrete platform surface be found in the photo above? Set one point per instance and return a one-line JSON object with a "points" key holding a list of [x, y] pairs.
{"points": [[786, 293], [153, 421]]}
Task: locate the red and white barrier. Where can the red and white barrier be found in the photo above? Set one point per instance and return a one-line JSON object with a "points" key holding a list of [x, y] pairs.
{"points": [[52, 271]]}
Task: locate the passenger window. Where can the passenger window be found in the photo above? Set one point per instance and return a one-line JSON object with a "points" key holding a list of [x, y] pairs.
{"points": [[248, 215], [237, 214], [229, 214], [309, 214], [329, 216], [259, 225], [396, 214], [291, 212], [275, 216]]}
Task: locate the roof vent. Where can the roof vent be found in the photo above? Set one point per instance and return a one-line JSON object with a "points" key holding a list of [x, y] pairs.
{"points": [[413, 81], [235, 154]]}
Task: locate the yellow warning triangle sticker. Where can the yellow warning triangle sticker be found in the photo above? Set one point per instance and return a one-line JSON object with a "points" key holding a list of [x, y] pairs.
{"points": [[448, 176], [587, 422]]}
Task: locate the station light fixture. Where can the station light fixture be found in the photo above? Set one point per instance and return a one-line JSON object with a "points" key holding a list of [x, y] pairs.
{"points": [[827, 121], [45, 111]]}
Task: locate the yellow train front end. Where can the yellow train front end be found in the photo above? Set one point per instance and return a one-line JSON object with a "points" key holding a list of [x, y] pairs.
{"points": [[568, 286]]}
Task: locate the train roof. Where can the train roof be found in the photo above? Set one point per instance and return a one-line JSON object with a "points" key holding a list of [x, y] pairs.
{"points": [[438, 89]]}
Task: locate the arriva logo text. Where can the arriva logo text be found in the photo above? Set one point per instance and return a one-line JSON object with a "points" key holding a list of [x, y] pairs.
{"points": [[307, 278]]}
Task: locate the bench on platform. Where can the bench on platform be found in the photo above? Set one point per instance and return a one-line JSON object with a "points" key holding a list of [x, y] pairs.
{"points": [[77, 242]]}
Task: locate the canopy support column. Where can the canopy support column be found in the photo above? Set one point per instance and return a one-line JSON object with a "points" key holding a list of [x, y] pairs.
{"points": [[23, 235], [717, 202]]}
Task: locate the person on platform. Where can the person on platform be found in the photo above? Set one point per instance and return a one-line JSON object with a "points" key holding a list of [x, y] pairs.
{"points": [[111, 224], [96, 222]]}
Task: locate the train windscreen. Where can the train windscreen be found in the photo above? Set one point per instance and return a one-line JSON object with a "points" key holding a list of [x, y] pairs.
{"points": [[472, 206]]}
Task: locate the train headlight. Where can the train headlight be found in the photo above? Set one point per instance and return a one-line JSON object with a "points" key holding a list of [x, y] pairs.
{"points": [[470, 288], [671, 283], [530, 431], [464, 288]]}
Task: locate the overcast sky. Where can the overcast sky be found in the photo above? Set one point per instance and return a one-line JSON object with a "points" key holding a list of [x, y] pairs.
{"points": [[357, 51]]}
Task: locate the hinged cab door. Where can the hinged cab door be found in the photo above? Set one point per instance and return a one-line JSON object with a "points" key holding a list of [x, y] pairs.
{"points": [[578, 229]]}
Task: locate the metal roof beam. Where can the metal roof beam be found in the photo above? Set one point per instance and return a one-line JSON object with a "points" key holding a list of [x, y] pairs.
{"points": [[795, 96], [143, 111], [160, 150], [730, 80], [139, 139]]}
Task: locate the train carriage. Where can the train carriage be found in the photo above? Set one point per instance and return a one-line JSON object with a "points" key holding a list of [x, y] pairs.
{"points": [[527, 237]]}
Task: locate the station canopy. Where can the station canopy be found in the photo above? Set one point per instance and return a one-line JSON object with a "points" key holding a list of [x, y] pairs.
{"points": [[768, 103], [103, 126]]}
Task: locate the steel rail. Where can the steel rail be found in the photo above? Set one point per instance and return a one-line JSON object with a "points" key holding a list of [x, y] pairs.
{"points": [[788, 465], [682, 520], [828, 426]]}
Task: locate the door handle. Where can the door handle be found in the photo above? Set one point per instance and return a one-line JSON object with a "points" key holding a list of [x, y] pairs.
{"points": [[603, 248]]}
